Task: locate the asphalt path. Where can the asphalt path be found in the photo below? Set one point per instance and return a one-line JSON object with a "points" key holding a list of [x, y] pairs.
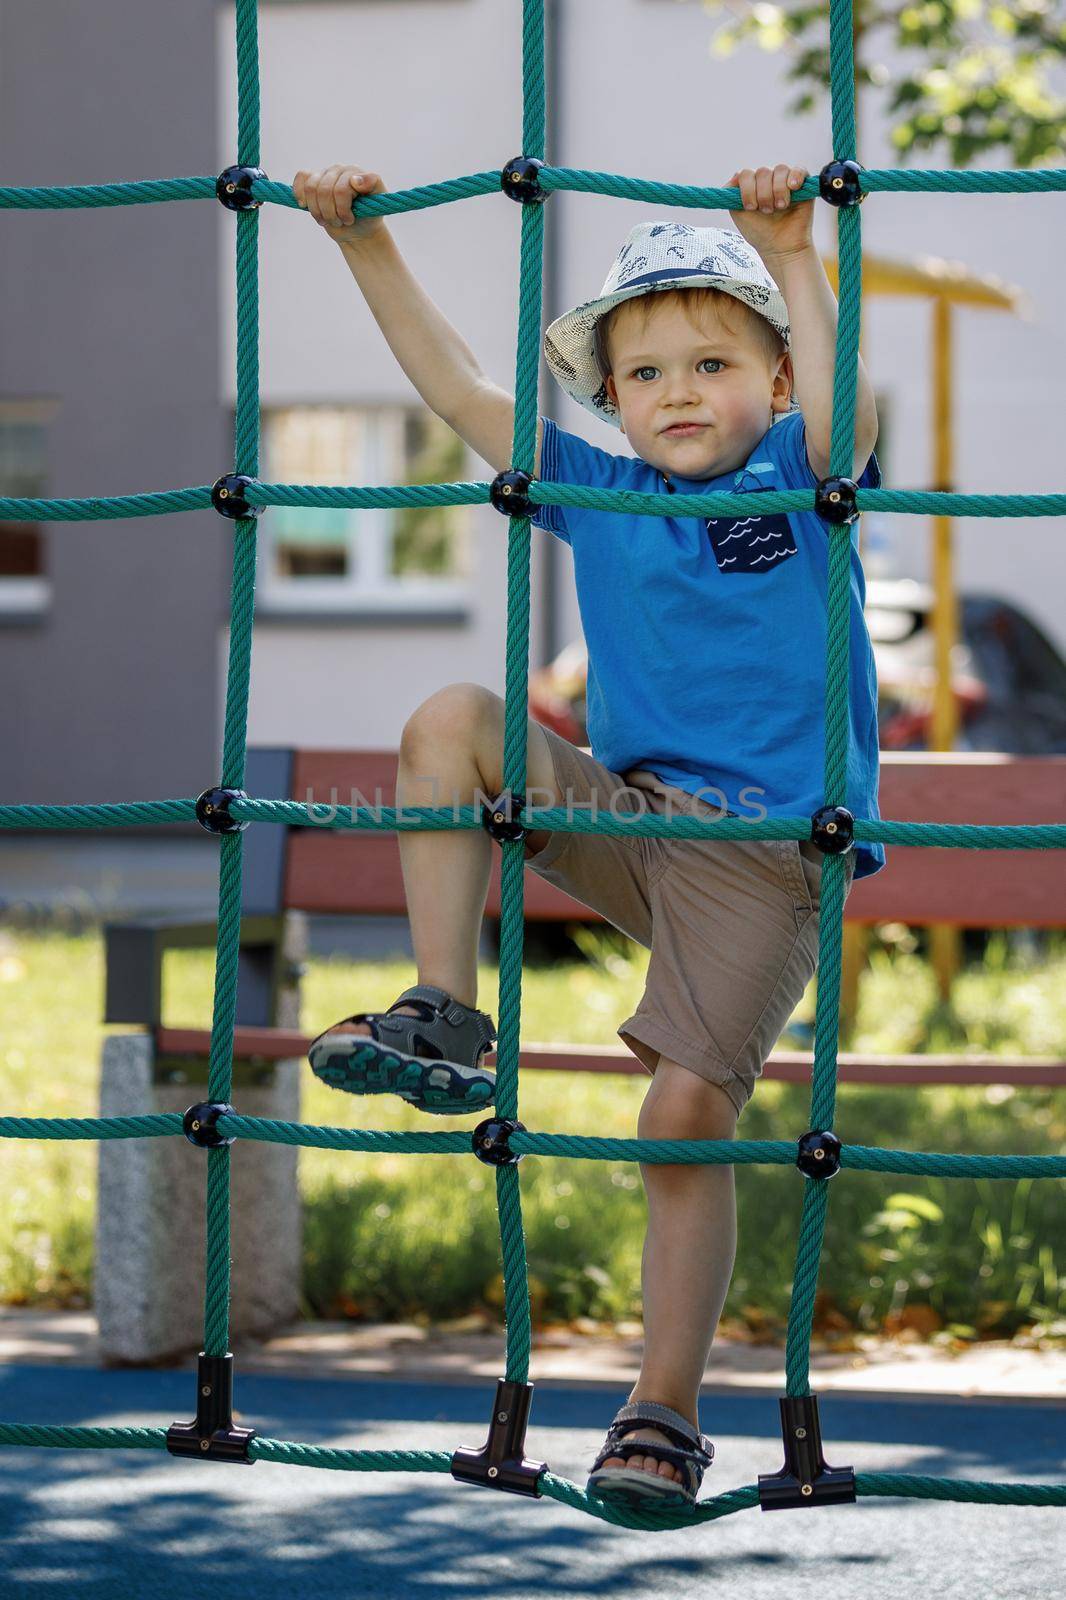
{"points": [[137, 1525]]}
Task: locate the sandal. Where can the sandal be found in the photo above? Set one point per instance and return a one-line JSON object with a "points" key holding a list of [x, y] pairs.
{"points": [[430, 1060], [691, 1451]]}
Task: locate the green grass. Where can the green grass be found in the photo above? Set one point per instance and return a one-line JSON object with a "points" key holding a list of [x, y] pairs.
{"points": [[417, 1238]]}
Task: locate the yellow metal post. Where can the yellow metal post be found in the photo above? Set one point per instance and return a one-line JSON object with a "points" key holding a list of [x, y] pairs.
{"points": [[945, 941], [945, 284]]}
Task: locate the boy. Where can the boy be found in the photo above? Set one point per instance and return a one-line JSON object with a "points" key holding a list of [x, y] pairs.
{"points": [[706, 642]]}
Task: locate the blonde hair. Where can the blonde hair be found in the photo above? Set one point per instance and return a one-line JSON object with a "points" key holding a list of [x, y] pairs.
{"points": [[694, 301]]}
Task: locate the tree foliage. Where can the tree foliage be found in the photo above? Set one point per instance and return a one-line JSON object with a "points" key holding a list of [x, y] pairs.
{"points": [[981, 83]]}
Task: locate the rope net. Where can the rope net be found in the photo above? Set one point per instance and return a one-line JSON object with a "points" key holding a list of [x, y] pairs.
{"points": [[806, 1479]]}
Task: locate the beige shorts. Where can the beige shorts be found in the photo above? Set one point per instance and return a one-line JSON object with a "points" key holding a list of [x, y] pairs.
{"points": [[732, 924]]}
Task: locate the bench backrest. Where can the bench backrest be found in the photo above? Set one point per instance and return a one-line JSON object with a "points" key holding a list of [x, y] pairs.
{"points": [[330, 870]]}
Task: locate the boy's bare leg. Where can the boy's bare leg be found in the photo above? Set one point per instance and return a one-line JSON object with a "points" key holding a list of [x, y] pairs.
{"points": [[456, 736], [452, 746], [689, 1249]]}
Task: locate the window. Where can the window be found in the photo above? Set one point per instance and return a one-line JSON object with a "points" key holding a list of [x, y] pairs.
{"points": [[362, 558], [23, 474]]}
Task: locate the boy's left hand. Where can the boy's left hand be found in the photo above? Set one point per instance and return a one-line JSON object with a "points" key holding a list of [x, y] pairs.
{"points": [[771, 220]]}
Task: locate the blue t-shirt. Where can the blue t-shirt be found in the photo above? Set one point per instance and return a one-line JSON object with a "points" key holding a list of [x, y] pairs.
{"points": [[707, 636]]}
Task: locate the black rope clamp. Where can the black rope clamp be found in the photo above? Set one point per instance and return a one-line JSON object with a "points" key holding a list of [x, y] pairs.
{"points": [[832, 830], [501, 817], [199, 1124], [227, 496], [489, 1141], [834, 499], [501, 1462], [233, 187], [818, 1154], [804, 1480], [212, 1437], [520, 179], [838, 182], [509, 492], [212, 811]]}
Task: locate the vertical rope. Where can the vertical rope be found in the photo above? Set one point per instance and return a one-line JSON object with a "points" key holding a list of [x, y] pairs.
{"points": [[837, 696], [235, 740], [516, 701]]}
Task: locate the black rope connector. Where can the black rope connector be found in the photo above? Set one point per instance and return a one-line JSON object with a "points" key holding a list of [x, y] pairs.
{"points": [[834, 499], [501, 817], [818, 1154], [489, 1141], [212, 1437], [520, 179], [227, 496], [838, 182], [509, 492], [212, 811], [233, 187], [199, 1124], [804, 1480], [833, 830], [501, 1462]]}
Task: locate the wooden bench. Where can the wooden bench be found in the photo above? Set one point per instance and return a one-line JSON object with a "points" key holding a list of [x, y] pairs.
{"points": [[300, 870]]}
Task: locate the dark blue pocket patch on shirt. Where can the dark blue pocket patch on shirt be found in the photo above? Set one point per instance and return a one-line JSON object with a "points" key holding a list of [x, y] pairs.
{"points": [[751, 544]]}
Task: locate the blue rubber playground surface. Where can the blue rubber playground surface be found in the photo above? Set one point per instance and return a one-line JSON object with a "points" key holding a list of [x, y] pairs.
{"points": [[136, 1525]]}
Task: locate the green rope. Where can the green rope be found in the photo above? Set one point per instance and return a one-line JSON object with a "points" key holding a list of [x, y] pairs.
{"points": [[838, 626], [290, 1453], [931, 502], [875, 180], [740, 1152], [290, 814], [387, 819]]}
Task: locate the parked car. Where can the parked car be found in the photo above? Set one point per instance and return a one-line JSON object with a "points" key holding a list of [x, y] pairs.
{"points": [[1008, 679]]}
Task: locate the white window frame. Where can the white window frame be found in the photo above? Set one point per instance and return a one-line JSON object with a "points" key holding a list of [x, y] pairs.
{"points": [[29, 596], [368, 588], [20, 596]]}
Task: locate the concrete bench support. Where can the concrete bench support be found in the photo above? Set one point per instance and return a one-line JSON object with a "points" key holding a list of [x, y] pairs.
{"points": [[151, 1213]]}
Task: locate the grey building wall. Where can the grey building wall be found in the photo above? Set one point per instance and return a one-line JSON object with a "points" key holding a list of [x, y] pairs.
{"points": [[442, 97], [114, 312]]}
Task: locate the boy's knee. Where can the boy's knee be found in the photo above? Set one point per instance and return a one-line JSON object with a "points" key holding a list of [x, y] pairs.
{"points": [[680, 1104], [456, 711]]}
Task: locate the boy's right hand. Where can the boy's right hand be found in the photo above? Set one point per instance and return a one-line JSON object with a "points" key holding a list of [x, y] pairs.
{"points": [[328, 196]]}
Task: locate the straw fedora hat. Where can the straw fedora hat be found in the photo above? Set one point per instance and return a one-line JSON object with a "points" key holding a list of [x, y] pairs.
{"points": [[656, 256]]}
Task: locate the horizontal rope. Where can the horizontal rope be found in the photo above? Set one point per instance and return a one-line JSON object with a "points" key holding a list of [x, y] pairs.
{"points": [[576, 180], [556, 819], [287, 1452], [685, 1152], [934, 502]]}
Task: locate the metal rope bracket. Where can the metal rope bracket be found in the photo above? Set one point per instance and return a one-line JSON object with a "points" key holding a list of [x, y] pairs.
{"points": [[833, 830], [509, 492], [212, 1437], [501, 818], [200, 1124], [501, 1463], [838, 182], [520, 180], [213, 813], [490, 1141], [233, 187], [227, 496], [804, 1480], [834, 500]]}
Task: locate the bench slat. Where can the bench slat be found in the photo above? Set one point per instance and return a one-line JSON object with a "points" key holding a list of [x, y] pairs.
{"points": [[361, 875], [793, 1066], [356, 874]]}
